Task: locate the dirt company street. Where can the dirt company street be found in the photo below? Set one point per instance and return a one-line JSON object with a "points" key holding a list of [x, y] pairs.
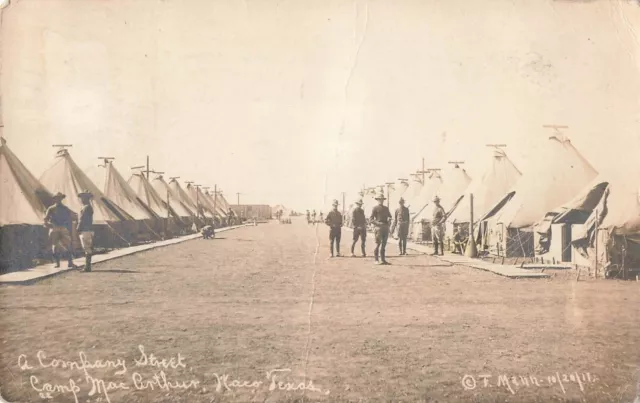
{"points": [[261, 314]]}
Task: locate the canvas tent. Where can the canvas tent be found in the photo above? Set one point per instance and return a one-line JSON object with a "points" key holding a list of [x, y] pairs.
{"points": [[116, 188], [553, 179], [186, 214], [202, 204], [224, 207], [185, 199], [173, 225], [612, 203], [217, 206], [500, 176], [113, 226], [23, 203]]}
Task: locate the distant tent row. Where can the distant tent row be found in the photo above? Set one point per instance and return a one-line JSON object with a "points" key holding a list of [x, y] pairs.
{"points": [[126, 212], [560, 209]]}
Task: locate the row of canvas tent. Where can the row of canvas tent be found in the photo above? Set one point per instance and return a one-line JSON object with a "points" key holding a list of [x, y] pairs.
{"points": [[126, 212], [561, 208]]}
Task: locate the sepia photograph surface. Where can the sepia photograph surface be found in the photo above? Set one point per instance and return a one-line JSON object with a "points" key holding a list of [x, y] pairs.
{"points": [[209, 201]]}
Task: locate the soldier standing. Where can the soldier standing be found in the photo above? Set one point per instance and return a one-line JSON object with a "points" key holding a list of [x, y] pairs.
{"points": [[308, 217], [380, 218], [313, 215], [85, 227], [334, 221], [437, 227], [401, 220], [359, 223], [59, 220]]}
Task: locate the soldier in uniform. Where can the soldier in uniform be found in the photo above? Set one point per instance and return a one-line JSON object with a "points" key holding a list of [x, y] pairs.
{"points": [[381, 218], [308, 217], [401, 220], [59, 220], [437, 224], [208, 232], [85, 227], [359, 224], [313, 216], [459, 241], [321, 217], [334, 221]]}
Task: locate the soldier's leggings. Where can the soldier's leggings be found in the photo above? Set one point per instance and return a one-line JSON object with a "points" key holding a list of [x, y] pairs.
{"points": [[334, 236], [359, 233], [382, 235]]}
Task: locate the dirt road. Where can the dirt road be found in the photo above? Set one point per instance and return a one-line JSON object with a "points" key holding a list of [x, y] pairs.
{"points": [[262, 314]]}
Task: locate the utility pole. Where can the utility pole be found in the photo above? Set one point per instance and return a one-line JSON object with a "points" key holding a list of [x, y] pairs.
{"points": [[343, 201], [472, 250], [238, 195], [215, 199], [422, 172], [147, 167], [389, 186]]}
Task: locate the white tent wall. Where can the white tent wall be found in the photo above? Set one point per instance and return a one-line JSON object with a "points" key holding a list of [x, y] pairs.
{"points": [[174, 200], [149, 225], [117, 189], [173, 224], [23, 199], [145, 191], [200, 202], [617, 216], [23, 204], [553, 179], [113, 226], [499, 178], [216, 204], [185, 199]]}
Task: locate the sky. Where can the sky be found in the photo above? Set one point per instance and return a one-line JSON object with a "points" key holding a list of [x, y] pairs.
{"points": [[293, 102]]}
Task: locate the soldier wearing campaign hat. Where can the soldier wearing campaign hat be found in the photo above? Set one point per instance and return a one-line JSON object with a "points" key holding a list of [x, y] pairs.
{"points": [[437, 226], [401, 221], [59, 220], [85, 227], [359, 223], [334, 221], [381, 218]]}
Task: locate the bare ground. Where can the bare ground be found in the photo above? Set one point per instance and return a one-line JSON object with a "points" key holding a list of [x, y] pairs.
{"points": [[261, 299]]}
